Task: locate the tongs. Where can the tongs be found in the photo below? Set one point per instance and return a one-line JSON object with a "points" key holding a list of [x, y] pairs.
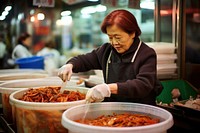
{"points": [[63, 85], [86, 110]]}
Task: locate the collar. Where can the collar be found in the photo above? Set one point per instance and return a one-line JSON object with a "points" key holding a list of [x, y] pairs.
{"points": [[132, 48]]}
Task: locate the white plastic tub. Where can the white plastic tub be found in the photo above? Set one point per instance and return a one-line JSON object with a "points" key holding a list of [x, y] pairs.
{"points": [[34, 117], [9, 87], [75, 81], [8, 71], [162, 47], [27, 75], [97, 109]]}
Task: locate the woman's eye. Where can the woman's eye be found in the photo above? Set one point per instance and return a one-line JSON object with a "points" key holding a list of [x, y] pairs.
{"points": [[118, 39]]}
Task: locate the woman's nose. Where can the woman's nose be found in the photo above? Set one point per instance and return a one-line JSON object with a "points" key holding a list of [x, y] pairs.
{"points": [[114, 41]]}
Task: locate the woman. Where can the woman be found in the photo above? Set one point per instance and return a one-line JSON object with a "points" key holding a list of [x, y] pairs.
{"points": [[128, 64], [22, 48]]}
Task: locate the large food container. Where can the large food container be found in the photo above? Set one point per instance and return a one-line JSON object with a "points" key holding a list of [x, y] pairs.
{"points": [[13, 74], [90, 111], [34, 117], [27, 75], [9, 87], [8, 71], [74, 81]]}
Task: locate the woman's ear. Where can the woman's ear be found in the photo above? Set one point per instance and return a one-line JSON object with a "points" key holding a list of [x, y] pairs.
{"points": [[132, 35]]}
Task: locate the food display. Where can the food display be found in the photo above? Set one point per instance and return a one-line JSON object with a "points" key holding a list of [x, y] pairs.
{"points": [[121, 120], [195, 104], [39, 109], [191, 103], [116, 117], [14, 85], [51, 94]]}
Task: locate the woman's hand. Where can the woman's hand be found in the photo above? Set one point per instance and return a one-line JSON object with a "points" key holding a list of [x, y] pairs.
{"points": [[98, 93], [65, 72]]}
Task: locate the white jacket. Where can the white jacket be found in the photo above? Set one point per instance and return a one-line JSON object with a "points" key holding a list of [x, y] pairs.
{"points": [[20, 51], [2, 49]]}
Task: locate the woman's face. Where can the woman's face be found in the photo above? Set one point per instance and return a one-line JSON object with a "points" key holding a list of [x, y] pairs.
{"points": [[28, 41], [119, 39]]}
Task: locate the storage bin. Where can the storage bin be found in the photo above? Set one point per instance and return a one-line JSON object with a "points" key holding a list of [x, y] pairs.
{"points": [[36, 62], [185, 88]]}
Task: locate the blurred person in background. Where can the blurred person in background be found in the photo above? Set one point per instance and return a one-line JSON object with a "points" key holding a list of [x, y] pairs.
{"points": [[22, 49], [2, 52], [51, 55], [129, 65]]}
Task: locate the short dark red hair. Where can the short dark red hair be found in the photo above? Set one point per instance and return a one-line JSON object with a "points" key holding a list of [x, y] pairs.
{"points": [[122, 18]]}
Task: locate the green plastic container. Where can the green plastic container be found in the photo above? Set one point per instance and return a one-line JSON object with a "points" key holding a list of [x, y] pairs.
{"points": [[185, 88]]}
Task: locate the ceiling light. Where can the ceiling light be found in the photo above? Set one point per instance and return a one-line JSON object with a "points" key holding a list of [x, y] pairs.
{"points": [[8, 8], [93, 0], [147, 5], [5, 13], [65, 13], [40, 16], [101, 8]]}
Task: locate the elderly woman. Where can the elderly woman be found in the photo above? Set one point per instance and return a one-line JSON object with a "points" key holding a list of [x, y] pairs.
{"points": [[128, 64]]}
